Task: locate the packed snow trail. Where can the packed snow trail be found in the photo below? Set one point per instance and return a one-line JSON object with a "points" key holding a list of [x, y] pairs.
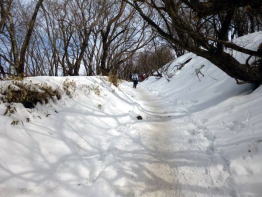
{"points": [[155, 177], [184, 147]]}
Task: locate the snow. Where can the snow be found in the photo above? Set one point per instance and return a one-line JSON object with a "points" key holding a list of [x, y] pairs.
{"points": [[199, 137]]}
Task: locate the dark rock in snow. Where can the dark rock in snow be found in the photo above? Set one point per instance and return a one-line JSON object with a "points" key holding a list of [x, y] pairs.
{"points": [[139, 117]]}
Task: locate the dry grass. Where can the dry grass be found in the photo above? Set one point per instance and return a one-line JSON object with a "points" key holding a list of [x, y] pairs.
{"points": [[28, 94], [113, 79], [95, 89], [69, 86]]}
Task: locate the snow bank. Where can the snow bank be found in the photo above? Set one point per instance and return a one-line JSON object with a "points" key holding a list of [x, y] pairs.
{"points": [[227, 115], [53, 148]]}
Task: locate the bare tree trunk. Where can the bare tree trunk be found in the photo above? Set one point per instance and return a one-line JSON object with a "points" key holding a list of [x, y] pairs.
{"points": [[14, 48], [4, 12], [81, 55], [244, 72], [1, 69], [103, 69], [21, 65]]}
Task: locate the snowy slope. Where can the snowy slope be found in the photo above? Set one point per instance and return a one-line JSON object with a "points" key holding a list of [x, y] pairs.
{"points": [[199, 137], [63, 149], [228, 118]]}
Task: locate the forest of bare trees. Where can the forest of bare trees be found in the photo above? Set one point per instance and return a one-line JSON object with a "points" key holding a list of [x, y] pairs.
{"points": [[102, 37], [54, 38]]}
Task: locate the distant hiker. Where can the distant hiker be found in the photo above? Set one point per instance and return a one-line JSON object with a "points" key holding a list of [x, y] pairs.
{"points": [[135, 79]]}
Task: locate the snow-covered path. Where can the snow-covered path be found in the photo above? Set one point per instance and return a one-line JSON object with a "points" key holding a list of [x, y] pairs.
{"points": [[183, 149], [156, 177]]}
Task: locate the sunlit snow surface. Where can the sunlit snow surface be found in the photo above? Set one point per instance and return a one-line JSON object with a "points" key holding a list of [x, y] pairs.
{"points": [[198, 137]]}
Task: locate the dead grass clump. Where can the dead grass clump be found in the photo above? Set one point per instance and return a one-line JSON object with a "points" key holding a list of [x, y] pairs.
{"points": [[15, 122], [28, 94], [69, 86], [113, 79], [14, 77], [95, 89], [9, 110]]}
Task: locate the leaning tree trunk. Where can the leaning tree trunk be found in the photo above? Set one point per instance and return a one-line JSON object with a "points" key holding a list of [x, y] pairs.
{"points": [[104, 70], [228, 64], [21, 64]]}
